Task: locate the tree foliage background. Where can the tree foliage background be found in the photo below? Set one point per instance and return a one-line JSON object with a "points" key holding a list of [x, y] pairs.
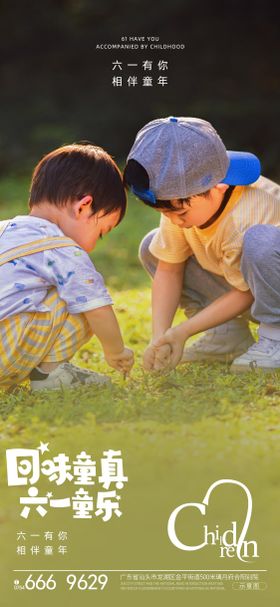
{"points": [[56, 87]]}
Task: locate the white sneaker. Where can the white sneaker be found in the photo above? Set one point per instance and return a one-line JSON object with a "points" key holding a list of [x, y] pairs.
{"points": [[263, 355], [69, 375], [223, 343]]}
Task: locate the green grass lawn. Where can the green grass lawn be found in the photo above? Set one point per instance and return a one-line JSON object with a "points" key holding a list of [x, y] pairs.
{"points": [[197, 394]]}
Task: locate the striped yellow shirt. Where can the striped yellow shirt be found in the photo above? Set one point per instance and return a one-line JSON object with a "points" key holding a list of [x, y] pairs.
{"points": [[218, 248]]}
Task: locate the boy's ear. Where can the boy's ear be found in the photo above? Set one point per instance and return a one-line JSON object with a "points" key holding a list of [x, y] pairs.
{"points": [[83, 207], [222, 187]]}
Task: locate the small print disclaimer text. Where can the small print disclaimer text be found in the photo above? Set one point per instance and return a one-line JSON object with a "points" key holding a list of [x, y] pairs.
{"points": [[154, 580]]}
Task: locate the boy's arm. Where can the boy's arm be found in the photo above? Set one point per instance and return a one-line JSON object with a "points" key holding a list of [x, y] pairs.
{"points": [[104, 325], [166, 293], [221, 310]]}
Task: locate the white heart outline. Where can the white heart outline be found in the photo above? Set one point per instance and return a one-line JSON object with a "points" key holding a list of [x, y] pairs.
{"points": [[248, 513], [202, 508]]}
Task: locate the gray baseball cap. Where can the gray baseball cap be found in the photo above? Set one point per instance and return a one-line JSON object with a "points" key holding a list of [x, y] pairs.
{"points": [[186, 156]]}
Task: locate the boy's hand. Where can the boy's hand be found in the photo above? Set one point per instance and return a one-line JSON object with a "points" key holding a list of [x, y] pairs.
{"points": [[149, 357], [162, 357], [175, 341], [123, 361], [156, 358]]}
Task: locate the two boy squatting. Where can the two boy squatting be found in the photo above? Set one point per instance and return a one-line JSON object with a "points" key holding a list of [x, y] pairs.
{"points": [[216, 253]]}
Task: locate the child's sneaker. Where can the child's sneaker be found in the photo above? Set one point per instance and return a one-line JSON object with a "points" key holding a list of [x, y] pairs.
{"points": [[67, 375], [263, 355], [223, 343]]}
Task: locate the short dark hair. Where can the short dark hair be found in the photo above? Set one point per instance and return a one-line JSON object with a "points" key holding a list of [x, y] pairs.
{"points": [[73, 171], [135, 175]]}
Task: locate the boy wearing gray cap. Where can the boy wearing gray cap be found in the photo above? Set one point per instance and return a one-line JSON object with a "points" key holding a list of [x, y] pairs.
{"points": [[216, 251]]}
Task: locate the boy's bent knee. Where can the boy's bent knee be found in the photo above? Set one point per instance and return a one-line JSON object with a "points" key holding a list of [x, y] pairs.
{"points": [[260, 241], [146, 258]]}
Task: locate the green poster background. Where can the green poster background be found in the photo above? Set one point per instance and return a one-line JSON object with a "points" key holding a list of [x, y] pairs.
{"points": [[178, 434], [166, 467]]}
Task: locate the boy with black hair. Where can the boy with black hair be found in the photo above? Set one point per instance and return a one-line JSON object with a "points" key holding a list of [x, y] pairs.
{"points": [[217, 247], [52, 297]]}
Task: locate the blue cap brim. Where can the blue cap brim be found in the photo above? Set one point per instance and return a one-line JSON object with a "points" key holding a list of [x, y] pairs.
{"points": [[244, 168], [146, 195]]}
